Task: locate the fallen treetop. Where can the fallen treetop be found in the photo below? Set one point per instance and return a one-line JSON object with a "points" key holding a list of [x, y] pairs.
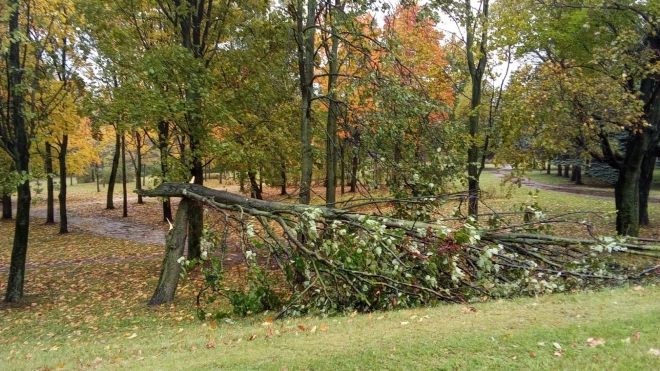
{"points": [[336, 260]]}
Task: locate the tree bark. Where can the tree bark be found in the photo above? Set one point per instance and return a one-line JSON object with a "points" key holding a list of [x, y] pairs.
{"points": [[559, 172], [138, 165], [306, 36], [549, 169], [50, 187], [64, 225], [645, 182], [6, 207], [163, 139], [567, 169], [256, 190], [626, 189], [354, 170], [333, 112], [113, 173], [123, 175], [577, 173], [283, 178], [96, 171], [195, 210], [21, 156], [171, 268]]}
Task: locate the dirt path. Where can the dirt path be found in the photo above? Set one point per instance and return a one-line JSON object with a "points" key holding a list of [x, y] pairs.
{"points": [[567, 188]]}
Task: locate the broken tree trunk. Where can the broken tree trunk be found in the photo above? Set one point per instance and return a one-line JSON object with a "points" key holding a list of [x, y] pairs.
{"points": [[169, 275]]}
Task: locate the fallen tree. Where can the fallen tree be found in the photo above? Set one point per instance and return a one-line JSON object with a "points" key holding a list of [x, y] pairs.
{"points": [[338, 260]]}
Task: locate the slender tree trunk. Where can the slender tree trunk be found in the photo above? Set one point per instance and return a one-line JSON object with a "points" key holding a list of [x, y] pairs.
{"points": [[559, 172], [549, 169], [163, 139], [645, 182], [567, 169], [64, 225], [21, 155], [138, 166], [477, 69], [50, 187], [96, 170], [6, 207], [354, 170], [283, 178], [241, 182], [171, 268], [123, 175], [256, 191], [333, 112], [113, 173], [342, 168], [306, 50]]}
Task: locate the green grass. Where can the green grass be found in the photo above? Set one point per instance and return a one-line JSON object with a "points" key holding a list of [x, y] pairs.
{"points": [[93, 316]]}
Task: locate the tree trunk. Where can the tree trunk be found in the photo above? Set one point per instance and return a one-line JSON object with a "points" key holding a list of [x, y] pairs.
{"points": [[96, 170], [549, 169], [113, 173], [21, 155], [645, 182], [64, 225], [283, 177], [255, 190], [476, 69], [171, 268], [559, 172], [306, 36], [567, 169], [241, 182], [50, 187], [354, 170], [163, 139], [577, 173], [333, 112], [6, 206], [138, 166], [195, 210], [626, 189], [342, 169], [123, 175]]}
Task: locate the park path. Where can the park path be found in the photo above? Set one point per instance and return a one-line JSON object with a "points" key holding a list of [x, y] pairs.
{"points": [[565, 188]]}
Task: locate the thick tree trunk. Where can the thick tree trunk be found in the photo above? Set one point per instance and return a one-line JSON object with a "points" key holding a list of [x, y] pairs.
{"points": [[255, 189], [567, 169], [138, 165], [6, 207], [123, 176], [163, 139], [626, 189], [64, 225], [195, 210], [549, 169], [645, 182], [171, 268], [577, 174], [50, 187], [559, 172], [113, 173], [21, 155]]}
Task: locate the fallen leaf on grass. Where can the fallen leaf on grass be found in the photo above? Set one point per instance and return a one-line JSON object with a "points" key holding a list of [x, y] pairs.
{"points": [[324, 327], [210, 345], [313, 330], [532, 354], [595, 342], [132, 336], [404, 323], [466, 310], [655, 352], [541, 344], [636, 336], [557, 354], [354, 313], [252, 337], [301, 327], [557, 345]]}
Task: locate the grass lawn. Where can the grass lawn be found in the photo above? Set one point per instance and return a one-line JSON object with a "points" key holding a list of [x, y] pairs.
{"points": [[90, 315]]}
